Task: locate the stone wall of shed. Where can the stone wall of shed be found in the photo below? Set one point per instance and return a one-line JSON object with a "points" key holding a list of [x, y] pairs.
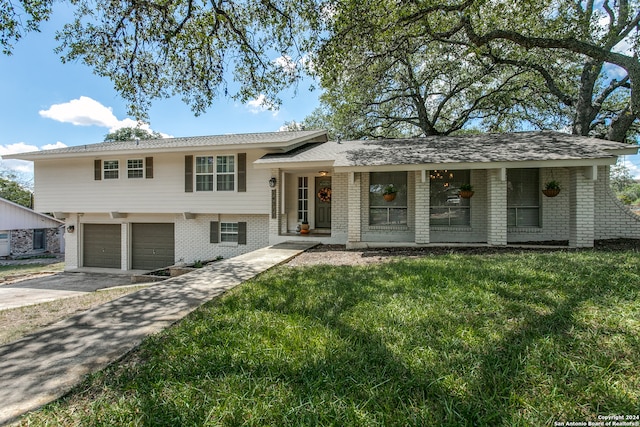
{"points": [[22, 242]]}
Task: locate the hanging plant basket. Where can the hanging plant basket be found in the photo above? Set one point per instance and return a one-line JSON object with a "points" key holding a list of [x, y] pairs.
{"points": [[465, 194], [389, 197], [551, 188]]}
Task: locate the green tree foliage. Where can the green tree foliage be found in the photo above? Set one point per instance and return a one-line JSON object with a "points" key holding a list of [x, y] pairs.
{"points": [[13, 191], [18, 17], [388, 67], [502, 64], [190, 48], [129, 134]]}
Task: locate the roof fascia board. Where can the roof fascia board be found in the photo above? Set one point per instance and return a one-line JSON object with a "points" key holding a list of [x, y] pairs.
{"points": [[481, 165], [273, 147]]}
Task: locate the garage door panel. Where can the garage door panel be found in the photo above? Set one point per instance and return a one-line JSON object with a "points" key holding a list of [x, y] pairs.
{"points": [[152, 245], [102, 245]]}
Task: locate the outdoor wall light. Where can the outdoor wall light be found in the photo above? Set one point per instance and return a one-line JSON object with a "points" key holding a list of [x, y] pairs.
{"points": [[272, 182], [71, 228], [323, 173]]}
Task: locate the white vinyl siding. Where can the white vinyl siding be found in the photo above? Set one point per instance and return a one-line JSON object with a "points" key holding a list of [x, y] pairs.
{"points": [[59, 189]]}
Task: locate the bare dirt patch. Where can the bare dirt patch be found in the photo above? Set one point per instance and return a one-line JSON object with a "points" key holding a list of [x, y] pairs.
{"points": [[339, 255]]}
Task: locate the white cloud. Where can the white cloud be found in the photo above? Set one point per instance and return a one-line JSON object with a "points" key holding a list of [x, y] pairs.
{"points": [[20, 166], [52, 146], [633, 164], [261, 105], [23, 166], [86, 111], [286, 63]]}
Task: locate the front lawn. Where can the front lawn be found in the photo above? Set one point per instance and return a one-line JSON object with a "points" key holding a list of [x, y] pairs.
{"points": [[496, 340]]}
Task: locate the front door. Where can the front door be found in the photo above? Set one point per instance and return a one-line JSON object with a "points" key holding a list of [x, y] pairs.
{"points": [[323, 202]]}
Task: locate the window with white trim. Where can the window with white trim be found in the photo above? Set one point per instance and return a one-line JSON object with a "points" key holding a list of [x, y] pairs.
{"points": [[135, 168], [523, 197], [229, 232], [110, 169], [447, 208], [390, 211], [303, 198], [223, 174]]}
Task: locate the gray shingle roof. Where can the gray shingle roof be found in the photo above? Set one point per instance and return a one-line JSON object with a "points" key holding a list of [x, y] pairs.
{"points": [[277, 141], [482, 148]]}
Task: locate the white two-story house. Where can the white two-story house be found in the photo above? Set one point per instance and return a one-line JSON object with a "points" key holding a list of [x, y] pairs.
{"points": [[151, 203]]}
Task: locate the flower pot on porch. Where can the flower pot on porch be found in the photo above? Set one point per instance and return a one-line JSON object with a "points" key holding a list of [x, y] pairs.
{"points": [[389, 196], [304, 228], [551, 192], [465, 194]]}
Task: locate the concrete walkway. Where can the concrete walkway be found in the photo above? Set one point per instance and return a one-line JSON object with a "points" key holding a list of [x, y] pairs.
{"points": [[44, 366]]}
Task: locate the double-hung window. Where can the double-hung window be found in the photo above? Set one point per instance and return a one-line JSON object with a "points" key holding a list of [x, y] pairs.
{"points": [[218, 169], [229, 232], [135, 168], [447, 208], [204, 173], [225, 173], [523, 197], [381, 210], [110, 169]]}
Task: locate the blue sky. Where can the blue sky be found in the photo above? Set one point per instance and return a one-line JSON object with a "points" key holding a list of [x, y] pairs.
{"points": [[47, 104]]}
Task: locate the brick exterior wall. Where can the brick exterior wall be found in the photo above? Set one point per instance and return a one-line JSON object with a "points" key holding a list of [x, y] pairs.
{"points": [[422, 231], [339, 206], [613, 219], [581, 209], [192, 237], [496, 208], [354, 194]]}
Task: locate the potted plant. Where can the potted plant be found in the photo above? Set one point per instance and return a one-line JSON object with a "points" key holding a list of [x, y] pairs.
{"points": [[304, 227], [389, 192], [466, 191], [551, 188]]}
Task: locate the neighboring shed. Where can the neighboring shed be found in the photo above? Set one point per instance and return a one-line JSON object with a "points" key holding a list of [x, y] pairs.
{"points": [[24, 232]]}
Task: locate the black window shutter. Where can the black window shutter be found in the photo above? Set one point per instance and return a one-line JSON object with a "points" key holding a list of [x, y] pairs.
{"points": [[97, 170], [242, 233], [148, 167], [213, 232], [242, 172], [188, 174]]}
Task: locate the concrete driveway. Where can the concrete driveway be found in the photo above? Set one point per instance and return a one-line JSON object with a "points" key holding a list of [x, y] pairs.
{"points": [[57, 286]]}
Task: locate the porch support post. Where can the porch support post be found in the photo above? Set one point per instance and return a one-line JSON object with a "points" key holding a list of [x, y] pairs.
{"points": [[275, 210], [496, 207], [581, 209], [422, 198], [124, 246], [354, 227]]}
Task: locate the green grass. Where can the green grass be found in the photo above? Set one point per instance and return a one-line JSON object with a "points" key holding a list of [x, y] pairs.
{"points": [[492, 340]]}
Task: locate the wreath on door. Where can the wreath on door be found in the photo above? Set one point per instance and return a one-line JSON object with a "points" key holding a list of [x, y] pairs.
{"points": [[324, 194]]}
